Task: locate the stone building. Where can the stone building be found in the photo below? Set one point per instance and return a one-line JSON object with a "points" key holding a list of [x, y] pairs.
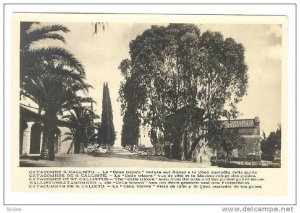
{"points": [[249, 129], [184, 141], [31, 133]]}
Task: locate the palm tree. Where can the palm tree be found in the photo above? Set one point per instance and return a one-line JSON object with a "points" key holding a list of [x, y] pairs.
{"points": [[32, 32], [81, 118], [53, 85], [50, 76]]}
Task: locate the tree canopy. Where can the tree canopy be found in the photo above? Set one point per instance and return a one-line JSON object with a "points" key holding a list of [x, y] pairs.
{"points": [[50, 76], [224, 139], [81, 119], [175, 66]]}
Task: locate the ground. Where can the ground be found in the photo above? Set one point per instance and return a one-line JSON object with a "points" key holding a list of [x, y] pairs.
{"points": [[118, 157]]}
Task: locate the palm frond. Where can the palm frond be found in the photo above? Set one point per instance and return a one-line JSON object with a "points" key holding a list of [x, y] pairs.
{"points": [[28, 36], [33, 89], [53, 85], [82, 87], [57, 53], [68, 117], [34, 97], [96, 116], [68, 76], [86, 100], [25, 26], [38, 37], [51, 28]]}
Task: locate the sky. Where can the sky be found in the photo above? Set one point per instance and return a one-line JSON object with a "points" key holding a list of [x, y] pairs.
{"points": [[102, 53]]}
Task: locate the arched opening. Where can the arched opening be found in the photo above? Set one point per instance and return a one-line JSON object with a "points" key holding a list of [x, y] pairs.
{"points": [[57, 137], [23, 126], [35, 138]]}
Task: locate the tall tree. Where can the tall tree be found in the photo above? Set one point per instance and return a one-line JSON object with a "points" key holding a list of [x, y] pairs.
{"points": [[50, 76], [108, 134], [130, 129], [129, 95], [53, 87], [104, 117], [112, 134], [176, 66]]}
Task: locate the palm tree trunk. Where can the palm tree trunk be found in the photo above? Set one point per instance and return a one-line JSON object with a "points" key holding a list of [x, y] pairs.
{"points": [[83, 141], [77, 143], [47, 151]]}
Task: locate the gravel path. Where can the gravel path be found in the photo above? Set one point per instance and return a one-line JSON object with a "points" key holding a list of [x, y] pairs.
{"points": [[118, 157]]}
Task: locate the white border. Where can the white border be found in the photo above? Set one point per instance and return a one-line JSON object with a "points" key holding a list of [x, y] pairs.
{"points": [[287, 10]]}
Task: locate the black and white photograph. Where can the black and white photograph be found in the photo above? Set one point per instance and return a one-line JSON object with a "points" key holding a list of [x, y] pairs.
{"points": [[182, 107], [150, 95]]}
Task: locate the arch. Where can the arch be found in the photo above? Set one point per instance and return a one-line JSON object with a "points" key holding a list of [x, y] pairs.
{"points": [[23, 126], [35, 138], [57, 137]]}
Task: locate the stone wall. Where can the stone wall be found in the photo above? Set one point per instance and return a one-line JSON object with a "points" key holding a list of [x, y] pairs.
{"points": [[30, 138], [61, 146], [252, 147], [249, 129]]}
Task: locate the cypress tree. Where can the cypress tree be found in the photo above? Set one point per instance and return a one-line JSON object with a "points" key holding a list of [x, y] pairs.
{"points": [[107, 127], [111, 128], [104, 121]]}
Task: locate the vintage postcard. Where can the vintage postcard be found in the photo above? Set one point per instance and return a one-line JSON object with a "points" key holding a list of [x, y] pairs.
{"points": [[125, 103]]}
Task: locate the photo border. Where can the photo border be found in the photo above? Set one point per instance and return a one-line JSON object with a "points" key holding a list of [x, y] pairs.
{"points": [[145, 4]]}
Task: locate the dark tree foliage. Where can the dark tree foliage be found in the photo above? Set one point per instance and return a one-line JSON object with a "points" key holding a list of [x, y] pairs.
{"points": [[178, 125], [81, 120], [271, 145], [32, 32], [174, 67], [49, 76], [112, 133], [107, 129], [223, 139], [53, 87], [130, 128], [129, 94]]}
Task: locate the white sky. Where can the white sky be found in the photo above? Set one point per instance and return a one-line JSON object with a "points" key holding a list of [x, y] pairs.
{"points": [[102, 53]]}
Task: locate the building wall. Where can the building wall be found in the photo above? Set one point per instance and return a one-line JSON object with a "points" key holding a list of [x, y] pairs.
{"points": [[252, 131], [30, 140], [252, 139], [203, 153], [249, 129], [60, 147]]}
